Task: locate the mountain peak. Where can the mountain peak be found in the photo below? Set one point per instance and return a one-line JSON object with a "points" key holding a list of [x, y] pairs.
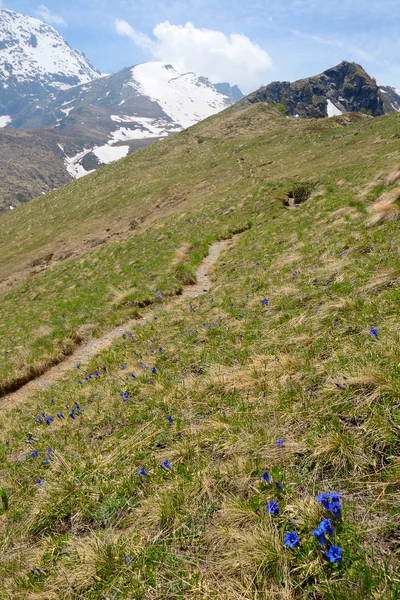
{"points": [[346, 87]]}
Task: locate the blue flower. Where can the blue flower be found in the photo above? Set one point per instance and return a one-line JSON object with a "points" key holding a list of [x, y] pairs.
{"points": [[143, 366], [30, 438], [326, 526], [160, 348], [279, 442], [335, 497], [123, 367], [40, 482], [319, 533], [78, 366], [72, 414], [127, 560], [265, 301], [132, 375], [46, 461], [80, 382], [49, 451], [142, 471], [374, 333], [279, 486], [291, 540], [273, 508], [104, 369], [170, 419], [339, 385], [49, 420], [166, 465], [153, 370], [52, 401], [266, 477], [38, 420], [34, 453], [131, 336], [60, 415], [191, 308], [96, 374], [335, 508], [324, 499], [333, 555], [125, 396], [78, 408]]}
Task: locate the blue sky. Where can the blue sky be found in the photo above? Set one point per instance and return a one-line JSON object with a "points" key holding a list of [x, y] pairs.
{"points": [[249, 42]]}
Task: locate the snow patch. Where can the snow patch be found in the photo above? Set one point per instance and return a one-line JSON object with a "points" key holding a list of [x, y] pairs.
{"points": [[5, 120], [107, 154], [333, 111]]}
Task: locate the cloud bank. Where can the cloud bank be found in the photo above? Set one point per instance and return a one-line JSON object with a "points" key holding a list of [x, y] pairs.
{"points": [[234, 58]]}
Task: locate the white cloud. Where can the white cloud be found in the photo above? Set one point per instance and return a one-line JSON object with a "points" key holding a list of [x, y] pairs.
{"points": [[210, 53], [44, 13]]}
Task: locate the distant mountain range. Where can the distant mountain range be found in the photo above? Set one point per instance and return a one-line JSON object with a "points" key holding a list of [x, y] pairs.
{"points": [[90, 119], [61, 119]]}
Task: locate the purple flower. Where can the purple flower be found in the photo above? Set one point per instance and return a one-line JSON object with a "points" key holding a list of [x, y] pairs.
{"points": [[123, 367], [153, 370], [38, 420], [78, 408], [104, 369], [60, 415], [273, 508], [49, 420], [291, 540], [40, 482], [96, 374], [127, 560], [125, 396], [132, 375], [52, 401], [333, 555], [279, 486], [160, 348], [80, 382], [191, 308], [279, 442], [46, 461], [266, 477], [374, 333], [265, 301], [166, 465], [339, 385], [34, 453], [72, 414], [170, 419], [142, 471], [30, 438], [49, 451]]}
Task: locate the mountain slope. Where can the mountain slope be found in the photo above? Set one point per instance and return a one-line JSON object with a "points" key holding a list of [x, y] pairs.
{"points": [[178, 462], [35, 63], [391, 98], [344, 88]]}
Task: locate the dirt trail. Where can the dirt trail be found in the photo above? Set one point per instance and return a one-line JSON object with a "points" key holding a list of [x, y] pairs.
{"points": [[85, 352]]}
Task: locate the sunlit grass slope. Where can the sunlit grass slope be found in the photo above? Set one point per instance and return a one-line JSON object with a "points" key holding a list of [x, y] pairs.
{"points": [[175, 192], [297, 342]]}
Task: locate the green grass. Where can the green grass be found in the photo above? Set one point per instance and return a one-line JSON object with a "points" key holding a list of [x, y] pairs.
{"points": [[236, 376]]}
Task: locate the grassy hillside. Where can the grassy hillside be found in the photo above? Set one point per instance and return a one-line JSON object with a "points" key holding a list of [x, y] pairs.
{"points": [[316, 363]]}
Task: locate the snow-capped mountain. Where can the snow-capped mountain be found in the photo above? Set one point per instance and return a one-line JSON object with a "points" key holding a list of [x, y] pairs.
{"points": [[44, 84], [35, 63], [123, 112]]}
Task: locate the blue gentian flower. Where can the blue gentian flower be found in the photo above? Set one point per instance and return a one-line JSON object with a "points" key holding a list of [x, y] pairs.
{"points": [[46, 461], [123, 335], [160, 348], [104, 369], [78, 366], [60, 415], [156, 318], [151, 351], [279, 486], [49, 420], [374, 333], [324, 499], [142, 471], [49, 451], [78, 408], [339, 385], [273, 508], [326, 526], [143, 366], [127, 560], [319, 533], [72, 414], [131, 336], [166, 465], [96, 374], [38, 420], [291, 540], [279, 442], [266, 477], [52, 401], [191, 308], [125, 396], [170, 419], [150, 381], [123, 367], [34, 453], [335, 508], [295, 273], [30, 438], [333, 555], [153, 370], [132, 375], [80, 382], [40, 482], [265, 301], [335, 497]]}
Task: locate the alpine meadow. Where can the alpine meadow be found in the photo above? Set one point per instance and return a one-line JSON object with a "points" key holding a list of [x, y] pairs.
{"points": [[239, 438]]}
